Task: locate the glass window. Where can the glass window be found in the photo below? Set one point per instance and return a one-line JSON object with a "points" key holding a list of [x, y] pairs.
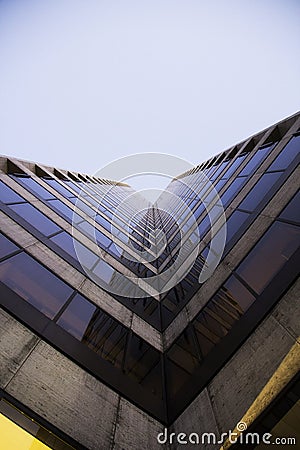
{"points": [[287, 155], [219, 170], [235, 222], [184, 352], [35, 284], [58, 187], [269, 255], [8, 195], [33, 186], [65, 241], [232, 190], [106, 337], [235, 296], [6, 246], [141, 358], [74, 185], [77, 316], [256, 160], [259, 190], [35, 218], [231, 169], [61, 209], [292, 211]]}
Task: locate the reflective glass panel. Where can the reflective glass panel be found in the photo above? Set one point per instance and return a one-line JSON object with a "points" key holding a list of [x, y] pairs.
{"points": [[259, 190], [256, 160], [62, 209], [292, 210], [35, 218], [65, 241], [8, 195], [141, 358], [286, 156], [34, 283], [269, 255], [59, 188], [33, 186], [234, 223], [77, 316], [6, 246], [232, 190]]}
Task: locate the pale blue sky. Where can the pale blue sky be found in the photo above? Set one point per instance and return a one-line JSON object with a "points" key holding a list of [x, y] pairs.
{"points": [[85, 82]]}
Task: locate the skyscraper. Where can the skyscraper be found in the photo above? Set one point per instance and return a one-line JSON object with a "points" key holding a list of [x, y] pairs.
{"points": [[101, 349]]}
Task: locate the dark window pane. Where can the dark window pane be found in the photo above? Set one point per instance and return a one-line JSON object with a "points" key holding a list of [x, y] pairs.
{"points": [[234, 223], [59, 188], [32, 186], [184, 353], [37, 219], [256, 160], [269, 255], [234, 296], [232, 190], [6, 246], [34, 283], [288, 153], [8, 195], [176, 376], [292, 210], [141, 358], [259, 190], [77, 316], [106, 337]]}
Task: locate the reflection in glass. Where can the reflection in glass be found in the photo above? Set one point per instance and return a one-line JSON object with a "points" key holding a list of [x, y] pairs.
{"points": [[35, 218], [34, 283], [6, 246], [8, 195], [269, 255], [259, 190]]}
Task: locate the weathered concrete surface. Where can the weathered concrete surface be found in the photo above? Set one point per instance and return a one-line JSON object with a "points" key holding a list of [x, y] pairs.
{"points": [[16, 343], [74, 401], [135, 429], [66, 396], [287, 312], [237, 385], [197, 418]]}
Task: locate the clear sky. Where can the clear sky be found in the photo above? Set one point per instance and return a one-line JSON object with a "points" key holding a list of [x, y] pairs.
{"points": [[83, 82]]}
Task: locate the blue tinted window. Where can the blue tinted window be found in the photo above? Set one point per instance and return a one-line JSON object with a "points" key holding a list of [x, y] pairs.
{"points": [[65, 241], [33, 186], [235, 222], [219, 170], [75, 186], [6, 246], [288, 153], [256, 160], [292, 210], [34, 283], [8, 195], [77, 316], [35, 218], [232, 190], [59, 188], [260, 189], [61, 209], [234, 166], [269, 255]]}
